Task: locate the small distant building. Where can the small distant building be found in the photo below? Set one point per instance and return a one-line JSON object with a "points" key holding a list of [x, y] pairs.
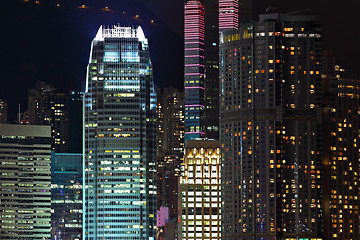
{"points": [[3, 111]]}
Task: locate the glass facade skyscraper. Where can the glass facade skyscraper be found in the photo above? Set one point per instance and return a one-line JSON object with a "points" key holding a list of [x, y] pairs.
{"points": [[119, 141], [194, 70], [66, 196], [201, 69], [203, 19]]}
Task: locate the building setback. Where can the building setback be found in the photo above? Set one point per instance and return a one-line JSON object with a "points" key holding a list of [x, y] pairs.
{"points": [[120, 112], [66, 196], [25, 179], [200, 191], [271, 129]]}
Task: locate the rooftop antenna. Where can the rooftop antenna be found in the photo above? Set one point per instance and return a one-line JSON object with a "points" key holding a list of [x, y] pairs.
{"points": [[19, 114], [300, 11]]}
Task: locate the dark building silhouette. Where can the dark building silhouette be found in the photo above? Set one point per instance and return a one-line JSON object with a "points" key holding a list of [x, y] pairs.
{"points": [[170, 116], [75, 110], [47, 106], [3, 111]]}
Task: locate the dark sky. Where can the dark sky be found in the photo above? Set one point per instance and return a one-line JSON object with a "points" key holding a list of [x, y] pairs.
{"points": [[41, 41]]}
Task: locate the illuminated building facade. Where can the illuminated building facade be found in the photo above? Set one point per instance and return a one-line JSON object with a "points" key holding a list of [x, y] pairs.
{"points": [[25, 179], [341, 137], [47, 106], [228, 15], [3, 111], [201, 69], [203, 21], [271, 129], [200, 191], [194, 70], [119, 150], [66, 196]]}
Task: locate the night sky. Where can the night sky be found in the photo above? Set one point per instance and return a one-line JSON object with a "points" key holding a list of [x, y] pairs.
{"points": [[45, 42]]}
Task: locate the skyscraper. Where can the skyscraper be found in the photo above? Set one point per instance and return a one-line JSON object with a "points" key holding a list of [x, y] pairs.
{"points": [[271, 129], [201, 69], [66, 196], [228, 15], [25, 179], [200, 191], [120, 105], [194, 70], [203, 21]]}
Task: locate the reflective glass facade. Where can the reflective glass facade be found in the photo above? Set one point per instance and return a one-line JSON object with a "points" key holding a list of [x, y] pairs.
{"points": [[120, 111], [194, 70], [66, 196]]}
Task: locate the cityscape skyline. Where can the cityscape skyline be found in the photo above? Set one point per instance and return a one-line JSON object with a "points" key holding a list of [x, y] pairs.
{"points": [[241, 129], [37, 20]]}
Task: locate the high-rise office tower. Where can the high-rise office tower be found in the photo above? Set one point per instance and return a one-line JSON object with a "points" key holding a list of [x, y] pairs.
{"points": [[201, 69], [194, 70], [3, 111], [66, 196], [120, 111], [25, 179], [271, 129], [341, 129], [228, 15], [203, 21], [47, 106], [200, 191]]}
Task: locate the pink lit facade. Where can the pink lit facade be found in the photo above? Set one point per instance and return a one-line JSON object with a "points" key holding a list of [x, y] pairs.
{"points": [[194, 69], [162, 216], [228, 15]]}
